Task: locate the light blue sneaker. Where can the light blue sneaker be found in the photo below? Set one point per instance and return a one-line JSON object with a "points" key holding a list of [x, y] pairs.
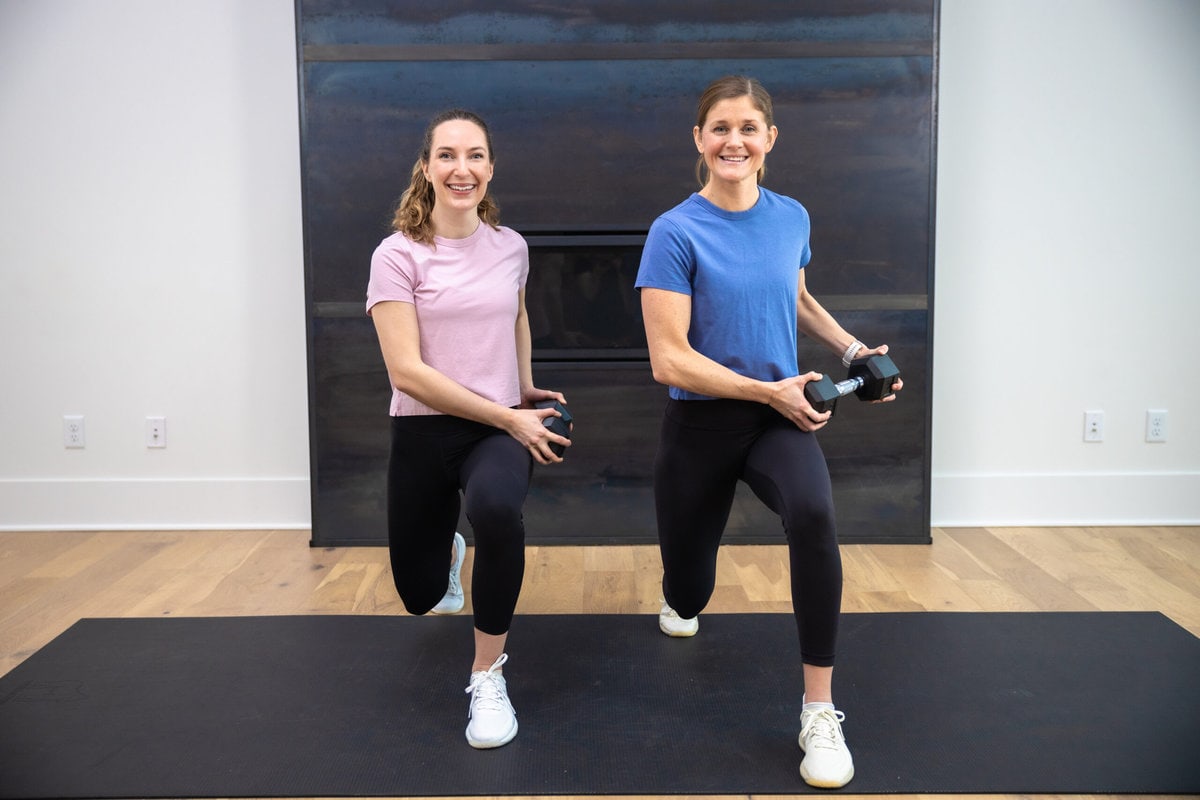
{"points": [[453, 601]]}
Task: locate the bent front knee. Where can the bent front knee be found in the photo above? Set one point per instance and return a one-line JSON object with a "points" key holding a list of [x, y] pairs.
{"points": [[497, 522], [813, 522], [419, 597]]}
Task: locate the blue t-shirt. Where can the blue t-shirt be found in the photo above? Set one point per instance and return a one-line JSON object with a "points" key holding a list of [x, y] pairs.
{"points": [[742, 270]]}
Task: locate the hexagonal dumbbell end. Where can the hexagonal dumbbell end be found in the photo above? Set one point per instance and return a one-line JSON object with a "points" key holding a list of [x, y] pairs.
{"points": [[822, 395], [878, 374], [560, 425]]}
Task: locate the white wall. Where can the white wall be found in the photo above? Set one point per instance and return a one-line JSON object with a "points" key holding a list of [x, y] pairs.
{"points": [[151, 263], [1066, 277]]}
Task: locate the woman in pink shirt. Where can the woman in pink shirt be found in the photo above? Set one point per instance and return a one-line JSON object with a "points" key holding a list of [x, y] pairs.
{"points": [[447, 296]]}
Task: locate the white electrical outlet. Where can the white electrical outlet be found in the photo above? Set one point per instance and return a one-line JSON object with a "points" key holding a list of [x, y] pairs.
{"points": [[73, 437], [1093, 426], [156, 431], [1156, 425]]}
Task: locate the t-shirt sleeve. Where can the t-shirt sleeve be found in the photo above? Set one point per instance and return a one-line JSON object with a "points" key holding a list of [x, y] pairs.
{"points": [[523, 277], [391, 277], [667, 261], [806, 253]]}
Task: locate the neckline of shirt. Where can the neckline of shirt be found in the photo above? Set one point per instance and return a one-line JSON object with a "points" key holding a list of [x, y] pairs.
{"points": [[726, 213], [466, 241]]}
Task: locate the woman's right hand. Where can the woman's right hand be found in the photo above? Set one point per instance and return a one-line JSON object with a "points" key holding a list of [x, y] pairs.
{"points": [[787, 397], [526, 426]]}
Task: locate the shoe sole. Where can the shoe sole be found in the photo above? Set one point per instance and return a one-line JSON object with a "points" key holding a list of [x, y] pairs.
{"points": [[677, 634], [827, 784], [479, 744]]}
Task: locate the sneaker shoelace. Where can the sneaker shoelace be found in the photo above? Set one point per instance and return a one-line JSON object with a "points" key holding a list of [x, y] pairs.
{"points": [[823, 730], [486, 690]]}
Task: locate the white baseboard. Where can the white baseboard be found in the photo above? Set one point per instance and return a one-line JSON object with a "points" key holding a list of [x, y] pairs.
{"points": [[1058, 499], [155, 504], [967, 500]]}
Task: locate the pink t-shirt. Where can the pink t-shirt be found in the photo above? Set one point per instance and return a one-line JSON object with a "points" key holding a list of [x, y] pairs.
{"points": [[465, 292]]}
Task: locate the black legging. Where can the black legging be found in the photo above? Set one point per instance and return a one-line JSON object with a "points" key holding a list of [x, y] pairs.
{"points": [[432, 459], [706, 446]]}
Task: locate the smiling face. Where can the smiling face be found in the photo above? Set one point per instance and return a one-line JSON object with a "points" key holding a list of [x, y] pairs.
{"points": [[734, 141], [459, 166]]}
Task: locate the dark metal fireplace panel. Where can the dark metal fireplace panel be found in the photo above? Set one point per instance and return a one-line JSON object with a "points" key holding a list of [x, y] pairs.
{"points": [[591, 106]]}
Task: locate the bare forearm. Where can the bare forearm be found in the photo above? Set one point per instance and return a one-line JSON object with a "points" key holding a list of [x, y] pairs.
{"points": [[694, 372], [818, 324], [429, 386]]}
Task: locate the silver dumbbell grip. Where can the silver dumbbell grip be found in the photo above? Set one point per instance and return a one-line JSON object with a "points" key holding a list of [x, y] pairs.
{"points": [[847, 386]]}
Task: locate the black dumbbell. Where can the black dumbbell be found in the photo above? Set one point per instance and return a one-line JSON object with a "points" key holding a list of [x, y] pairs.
{"points": [[560, 425], [870, 378]]}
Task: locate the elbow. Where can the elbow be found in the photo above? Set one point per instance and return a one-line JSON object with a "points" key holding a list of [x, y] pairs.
{"points": [[404, 380], [662, 370]]}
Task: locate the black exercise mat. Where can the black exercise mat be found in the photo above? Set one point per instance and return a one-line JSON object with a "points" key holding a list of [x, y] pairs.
{"points": [[1064, 703]]}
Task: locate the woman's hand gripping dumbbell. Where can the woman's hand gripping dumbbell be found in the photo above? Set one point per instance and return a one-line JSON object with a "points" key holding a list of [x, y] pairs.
{"points": [[870, 378]]}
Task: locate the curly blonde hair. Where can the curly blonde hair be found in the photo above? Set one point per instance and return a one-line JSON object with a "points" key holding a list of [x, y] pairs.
{"points": [[413, 213]]}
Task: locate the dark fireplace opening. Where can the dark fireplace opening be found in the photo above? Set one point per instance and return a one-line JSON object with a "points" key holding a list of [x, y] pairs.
{"points": [[581, 299]]}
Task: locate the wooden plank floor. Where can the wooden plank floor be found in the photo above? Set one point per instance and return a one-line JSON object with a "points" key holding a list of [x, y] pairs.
{"points": [[49, 580]]}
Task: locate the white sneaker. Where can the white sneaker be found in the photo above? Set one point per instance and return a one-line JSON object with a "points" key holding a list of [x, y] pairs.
{"points": [[452, 602], [672, 624], [827, 763], [493, 721]]}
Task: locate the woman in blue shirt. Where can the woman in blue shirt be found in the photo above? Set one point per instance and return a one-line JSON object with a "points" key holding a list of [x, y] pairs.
{"points": [[723, 295]]}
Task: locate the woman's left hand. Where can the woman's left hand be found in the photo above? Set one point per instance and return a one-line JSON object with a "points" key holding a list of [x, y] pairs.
{"points": [[897, 386]]}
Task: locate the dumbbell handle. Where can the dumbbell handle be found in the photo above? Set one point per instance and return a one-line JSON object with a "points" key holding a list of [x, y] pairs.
{"points": [[847, 386]]}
